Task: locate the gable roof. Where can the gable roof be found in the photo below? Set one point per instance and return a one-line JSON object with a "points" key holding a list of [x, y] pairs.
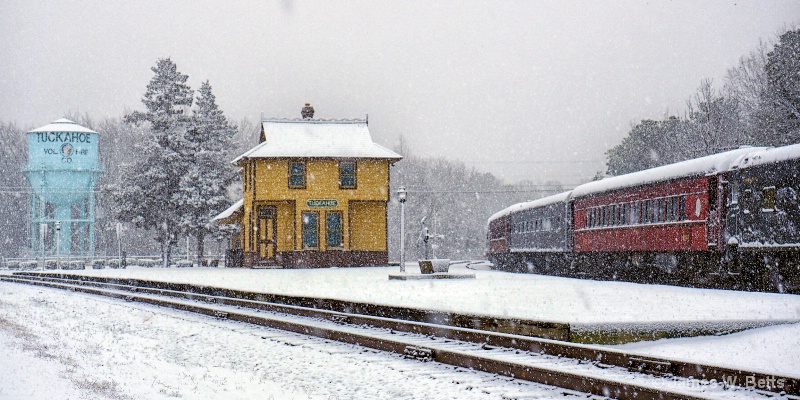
{"points": [[230, 215], [317, 138]]}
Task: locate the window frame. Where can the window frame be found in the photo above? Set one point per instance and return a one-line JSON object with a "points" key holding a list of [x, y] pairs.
{"points": [[292, 174], [340, 230], [342, 174], [306, 230]]}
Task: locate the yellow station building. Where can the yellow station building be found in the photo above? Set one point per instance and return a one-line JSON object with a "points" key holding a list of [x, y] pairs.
{"points": [[314, 195]]}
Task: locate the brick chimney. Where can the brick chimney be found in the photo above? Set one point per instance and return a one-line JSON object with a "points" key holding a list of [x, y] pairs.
{"points": [[307, 112]]}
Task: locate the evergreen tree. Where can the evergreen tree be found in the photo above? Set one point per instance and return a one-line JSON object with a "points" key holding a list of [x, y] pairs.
{"points": [[780, 120], [650, 144], [14, 192], [147, 193], [203, 187]]}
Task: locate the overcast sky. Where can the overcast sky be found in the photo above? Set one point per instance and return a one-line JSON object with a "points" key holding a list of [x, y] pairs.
{"points": [[533, 90]]}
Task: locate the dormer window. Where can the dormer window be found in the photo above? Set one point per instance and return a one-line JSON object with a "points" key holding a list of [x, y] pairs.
{"points": [[297, 175], [347, 175]]}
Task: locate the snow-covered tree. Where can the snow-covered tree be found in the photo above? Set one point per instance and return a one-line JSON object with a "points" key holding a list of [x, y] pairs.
{"points": [[649, 144], [146, 194], [203, 187], [779, 123], [714, 122], [14, 196]]}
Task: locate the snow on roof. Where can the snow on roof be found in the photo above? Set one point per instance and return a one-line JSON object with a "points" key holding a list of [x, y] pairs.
{"points": [[235, 208], [317, 138], [767, 156], [63, 125], [544, 201], [695, 167]]}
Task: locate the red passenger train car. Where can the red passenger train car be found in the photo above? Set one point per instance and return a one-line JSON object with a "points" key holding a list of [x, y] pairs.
{"points": [[666, 221], [726, 220]]}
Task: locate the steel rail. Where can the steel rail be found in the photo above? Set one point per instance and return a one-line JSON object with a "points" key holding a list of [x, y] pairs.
{"points": [[572, 381]]}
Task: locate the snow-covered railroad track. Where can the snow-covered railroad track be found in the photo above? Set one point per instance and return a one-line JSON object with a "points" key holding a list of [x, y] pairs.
{"points": [[581, 368]]}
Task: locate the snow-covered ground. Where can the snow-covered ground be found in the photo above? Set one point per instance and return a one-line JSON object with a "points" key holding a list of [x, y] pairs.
{"points": [[772, 349], [62, 345], [151, 352]]}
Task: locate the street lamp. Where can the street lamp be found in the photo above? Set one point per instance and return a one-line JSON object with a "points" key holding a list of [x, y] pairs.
{"points": [[58, 245], [119, 244], [401, 196]]}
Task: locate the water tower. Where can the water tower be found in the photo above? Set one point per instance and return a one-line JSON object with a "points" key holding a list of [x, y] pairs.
{"points": [[63, 166]]}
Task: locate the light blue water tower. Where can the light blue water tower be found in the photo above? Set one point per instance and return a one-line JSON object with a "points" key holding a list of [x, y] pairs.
{"points": [[63, 167]]}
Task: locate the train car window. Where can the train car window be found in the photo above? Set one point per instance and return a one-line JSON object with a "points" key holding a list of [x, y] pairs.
{"points": [[734, 193], [682, 208], [623, 209], [769, 199], [613, 219], [624, 214], [675, 201], [668, 214]]}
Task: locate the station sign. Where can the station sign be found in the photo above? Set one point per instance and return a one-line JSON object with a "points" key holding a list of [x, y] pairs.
{"points": [[322, 203]]}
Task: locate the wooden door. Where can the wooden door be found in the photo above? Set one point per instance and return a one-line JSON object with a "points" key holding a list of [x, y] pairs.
{"points": [[266, 234]]}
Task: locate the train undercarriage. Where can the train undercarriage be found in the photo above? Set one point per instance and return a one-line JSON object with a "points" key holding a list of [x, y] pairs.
{"points": [[748, 270]]}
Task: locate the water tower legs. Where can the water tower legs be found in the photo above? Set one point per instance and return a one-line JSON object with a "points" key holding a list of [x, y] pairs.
{"points": [[63, 214]]}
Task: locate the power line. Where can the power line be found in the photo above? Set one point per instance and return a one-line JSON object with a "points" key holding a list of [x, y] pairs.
{"points": [[541, 162]]}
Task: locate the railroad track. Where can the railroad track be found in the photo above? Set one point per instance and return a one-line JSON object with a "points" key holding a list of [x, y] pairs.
{"points": [[583, 368]]}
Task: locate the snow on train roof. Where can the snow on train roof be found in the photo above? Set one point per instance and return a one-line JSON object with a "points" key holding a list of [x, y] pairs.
{"points": [[695, 167], [531, 204], [767, 156]]}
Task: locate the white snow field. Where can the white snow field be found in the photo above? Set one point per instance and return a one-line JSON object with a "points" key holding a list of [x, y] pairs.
{"points": [[57, 344], [127, 350]]}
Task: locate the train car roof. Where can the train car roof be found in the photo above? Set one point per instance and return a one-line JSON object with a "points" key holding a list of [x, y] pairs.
{"points": [[561, 197], [767, 156], [696, 167]]}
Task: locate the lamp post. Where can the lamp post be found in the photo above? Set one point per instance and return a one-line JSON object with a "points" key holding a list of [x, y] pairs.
{"points": [[119, 244], [401, 196], [58, 245]]}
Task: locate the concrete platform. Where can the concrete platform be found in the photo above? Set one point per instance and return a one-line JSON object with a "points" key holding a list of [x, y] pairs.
{"points": [[435, 275]]}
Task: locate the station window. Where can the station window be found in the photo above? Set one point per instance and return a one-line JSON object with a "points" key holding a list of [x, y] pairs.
{"points": [[333, 228], [297, 175], [347, 175], [310, 229]]}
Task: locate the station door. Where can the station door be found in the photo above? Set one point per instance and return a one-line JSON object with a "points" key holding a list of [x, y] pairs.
{"points": [[266, 234]]}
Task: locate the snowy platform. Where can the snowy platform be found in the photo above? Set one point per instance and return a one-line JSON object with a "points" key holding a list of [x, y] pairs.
{"points": [[608, 312]]}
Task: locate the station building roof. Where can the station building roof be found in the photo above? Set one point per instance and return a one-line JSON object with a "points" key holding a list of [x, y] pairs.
{"points": [[317, 138]]}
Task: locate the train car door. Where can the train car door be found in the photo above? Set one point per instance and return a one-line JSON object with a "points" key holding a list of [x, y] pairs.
{"points": [[718, 207], [266, 236]]}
